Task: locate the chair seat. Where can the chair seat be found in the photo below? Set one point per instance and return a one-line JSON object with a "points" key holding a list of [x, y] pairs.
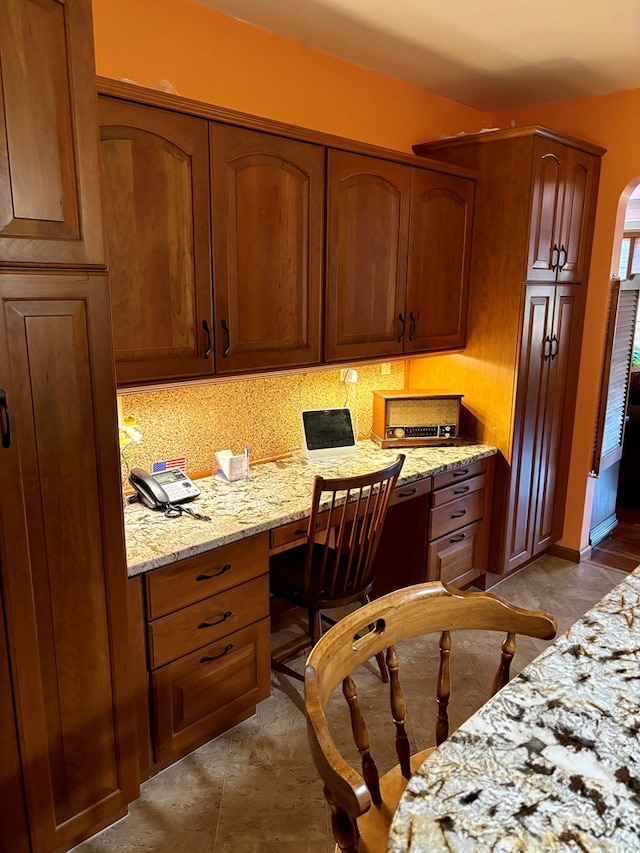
{"points": [[374, 825]]}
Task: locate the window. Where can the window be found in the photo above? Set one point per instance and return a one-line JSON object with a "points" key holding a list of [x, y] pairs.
{"points": [[629, 254]]}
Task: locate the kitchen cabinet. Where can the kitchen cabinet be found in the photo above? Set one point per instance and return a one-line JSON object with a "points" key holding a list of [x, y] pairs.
{"points": [[49, 178], [155, 173], [536, 190], [268, 237], [562, 211], [62, 557], [68, 740], [208, 644], [442, 524], [398, 253]]}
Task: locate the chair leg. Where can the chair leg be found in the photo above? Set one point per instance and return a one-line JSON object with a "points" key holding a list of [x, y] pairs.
{"points": [[382, 664], [278, 666], [315, 626]]}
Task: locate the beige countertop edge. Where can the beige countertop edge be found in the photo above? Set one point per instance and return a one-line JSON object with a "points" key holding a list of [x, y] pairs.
{"points": [[154, 541]]}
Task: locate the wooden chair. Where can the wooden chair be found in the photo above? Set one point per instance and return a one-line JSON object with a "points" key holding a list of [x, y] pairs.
{"points": [[334, 565], [363, 803]]}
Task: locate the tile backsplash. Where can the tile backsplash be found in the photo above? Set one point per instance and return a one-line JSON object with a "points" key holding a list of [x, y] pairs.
{"points": [[264, 412]]}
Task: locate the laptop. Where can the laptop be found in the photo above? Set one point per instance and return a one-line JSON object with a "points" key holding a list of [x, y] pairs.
{"points": [[327, 433]]}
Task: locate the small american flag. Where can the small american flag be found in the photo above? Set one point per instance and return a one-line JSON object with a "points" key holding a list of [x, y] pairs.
{"points": [[165, 464]]}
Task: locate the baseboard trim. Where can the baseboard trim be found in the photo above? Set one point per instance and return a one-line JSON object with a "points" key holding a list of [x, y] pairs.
{"points": [[571, 554], [602, 530]]}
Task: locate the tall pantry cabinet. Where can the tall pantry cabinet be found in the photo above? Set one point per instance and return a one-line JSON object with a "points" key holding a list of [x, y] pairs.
{"points": [[68, 757], [533, 226]]}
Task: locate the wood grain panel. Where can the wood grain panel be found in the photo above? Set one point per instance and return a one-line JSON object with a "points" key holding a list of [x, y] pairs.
{"points": [[268, 203], [50, 200]]}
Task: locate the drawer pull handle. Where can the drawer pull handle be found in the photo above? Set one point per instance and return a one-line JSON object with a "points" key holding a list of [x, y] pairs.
{"points": [[461, 473], [407, 494], [226, 616], [300, 532], [224, 569], [209, 658], [461, 491], [458, 514], [458, 538]]}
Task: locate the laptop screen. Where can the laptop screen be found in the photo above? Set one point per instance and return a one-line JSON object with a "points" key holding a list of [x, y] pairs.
{"points": [[327, 432]]}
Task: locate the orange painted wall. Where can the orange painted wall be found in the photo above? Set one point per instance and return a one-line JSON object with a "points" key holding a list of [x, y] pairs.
{"points": [[214, 58], [612, 121]]}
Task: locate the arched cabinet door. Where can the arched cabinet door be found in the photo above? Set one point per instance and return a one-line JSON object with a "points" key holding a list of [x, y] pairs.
{"points": [[49, 178], [439, 259], [268, 227], [367, 234]]}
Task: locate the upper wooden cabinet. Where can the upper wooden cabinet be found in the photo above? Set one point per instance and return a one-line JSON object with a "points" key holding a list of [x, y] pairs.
{"points": [[368, 205], [564, 184], [268, 237], [439, 258], [398, 250], [155, 170], [49, 177]]}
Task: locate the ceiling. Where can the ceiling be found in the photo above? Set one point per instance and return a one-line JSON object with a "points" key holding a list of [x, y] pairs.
{"points": [[494, 55]]}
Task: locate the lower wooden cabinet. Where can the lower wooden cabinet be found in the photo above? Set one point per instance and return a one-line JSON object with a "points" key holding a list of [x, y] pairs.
{"points": [[206, 620]]}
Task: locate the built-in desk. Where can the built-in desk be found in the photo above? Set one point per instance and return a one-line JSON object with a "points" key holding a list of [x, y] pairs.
{"points": [[199, 591]]}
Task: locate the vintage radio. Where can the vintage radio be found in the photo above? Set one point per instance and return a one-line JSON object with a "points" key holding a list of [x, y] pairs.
{"points": [[415, 418]]}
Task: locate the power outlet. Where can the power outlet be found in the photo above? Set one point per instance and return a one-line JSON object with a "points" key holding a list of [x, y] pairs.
{"points": [[385, 368], [343, 373]]}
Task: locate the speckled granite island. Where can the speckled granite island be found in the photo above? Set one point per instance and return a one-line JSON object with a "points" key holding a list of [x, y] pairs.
{"points": [[552, 762], [278, 493], [199, 590]]}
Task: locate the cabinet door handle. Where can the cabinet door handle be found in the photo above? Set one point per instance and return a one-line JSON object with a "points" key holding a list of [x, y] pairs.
{"points": [[5, 424], [461, 491], [546, 347], [207, 351], [412, 328], [562, 263], [225, 568], [458, 538], [409, 494], [226, 616], [209, 658], [225, 329], [459, 514], [402, 320], [555, 256], [555, 346], [461, 473]]}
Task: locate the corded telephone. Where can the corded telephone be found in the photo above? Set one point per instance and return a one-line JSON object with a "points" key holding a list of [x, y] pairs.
{"points": [[157, 491]]}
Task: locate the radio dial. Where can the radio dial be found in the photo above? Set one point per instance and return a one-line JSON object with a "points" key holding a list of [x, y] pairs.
{"points": [[398, 432]]}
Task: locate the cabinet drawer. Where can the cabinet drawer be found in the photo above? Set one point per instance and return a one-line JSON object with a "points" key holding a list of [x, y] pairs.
{"points": [[204, 693], [455, 558], [455, 514], [410, 490], [460, 473], [205, 621], [294, 532], [457, 490], [198, 577]]}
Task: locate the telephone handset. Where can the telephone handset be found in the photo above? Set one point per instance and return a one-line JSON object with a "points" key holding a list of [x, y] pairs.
{"points": [[157, 491]]}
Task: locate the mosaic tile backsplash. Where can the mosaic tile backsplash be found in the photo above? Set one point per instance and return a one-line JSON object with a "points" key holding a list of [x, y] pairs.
{"points": [[196, 420]]}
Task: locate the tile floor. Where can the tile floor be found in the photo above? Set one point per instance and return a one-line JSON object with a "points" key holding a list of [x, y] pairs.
{"points": [[255, 789]]}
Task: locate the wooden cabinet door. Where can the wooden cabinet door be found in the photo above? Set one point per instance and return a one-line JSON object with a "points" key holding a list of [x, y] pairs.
{"points": [[49, 178], [439, 258], [268, 211], [555, 438], [580, 184], [62, 561], [546, 208], [563, 207], [529, 424], [155, 169], [367, 237]]}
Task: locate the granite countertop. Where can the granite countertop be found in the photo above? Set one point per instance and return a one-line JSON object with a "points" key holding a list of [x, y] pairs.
{"points": [[277, 493], [552, 762]]}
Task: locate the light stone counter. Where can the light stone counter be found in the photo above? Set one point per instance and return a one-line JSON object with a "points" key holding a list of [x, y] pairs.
{"points": [[277, 493], [552, 762]]}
